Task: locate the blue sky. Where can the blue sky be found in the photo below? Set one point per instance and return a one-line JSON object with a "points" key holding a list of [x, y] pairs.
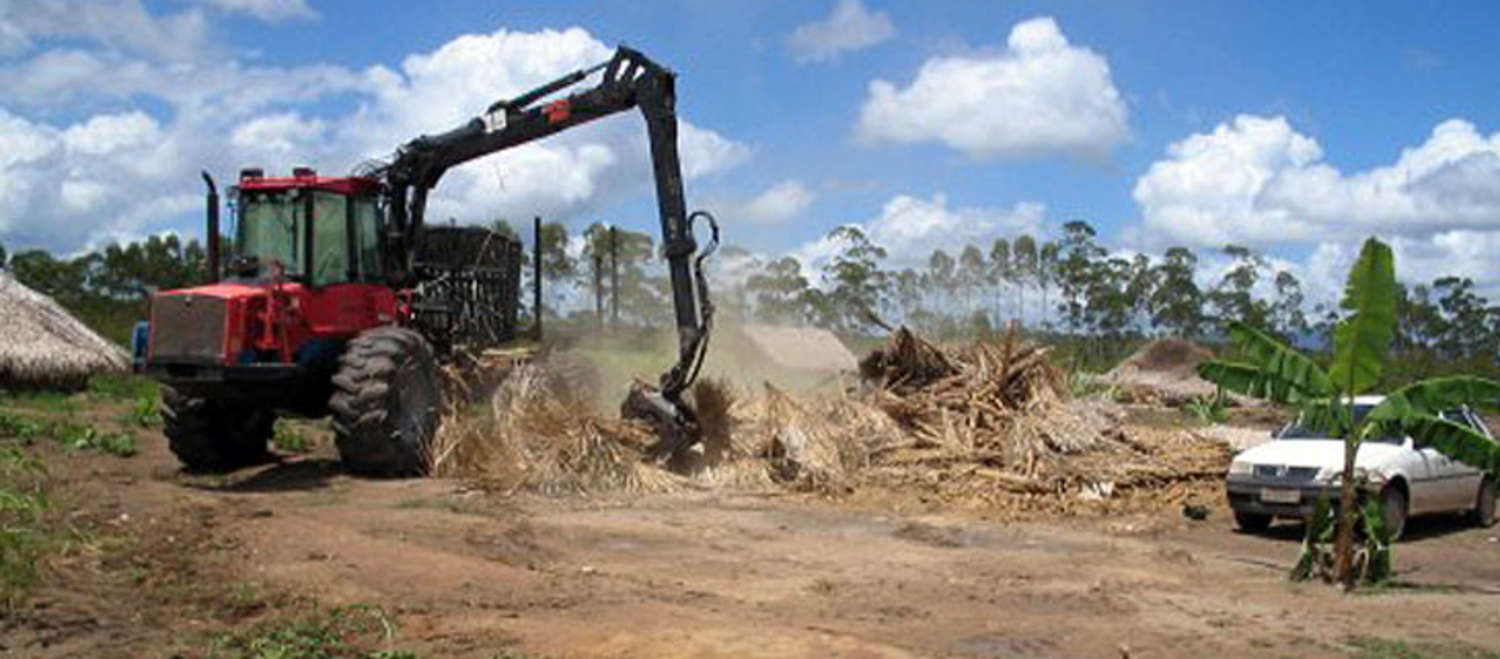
{"points": [[1296, 128]]}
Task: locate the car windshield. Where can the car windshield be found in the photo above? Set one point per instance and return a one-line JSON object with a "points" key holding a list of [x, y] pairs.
{"points": [[1297, 430], [271, 228]]}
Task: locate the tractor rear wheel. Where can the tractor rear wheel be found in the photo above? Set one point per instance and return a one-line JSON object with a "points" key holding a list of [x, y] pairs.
{"points": [[386, 402], [214, 435]]}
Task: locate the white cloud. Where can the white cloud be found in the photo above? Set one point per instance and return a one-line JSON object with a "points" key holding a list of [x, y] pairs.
{"points": [[123, 25], [124, 174], [1040, 94], [779, 203], [268, 10], [851, 27], [911, 228], [1257, 181]]}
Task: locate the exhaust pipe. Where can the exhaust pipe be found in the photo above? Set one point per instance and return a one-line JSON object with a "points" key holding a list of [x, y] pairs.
{"points": [[213, 228]]}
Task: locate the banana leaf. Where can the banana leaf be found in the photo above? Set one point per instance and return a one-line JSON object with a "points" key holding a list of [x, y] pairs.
{"points": [[1361, 340], [1377, 542], [1455, 441], [1435, 395], [1280, 362]]}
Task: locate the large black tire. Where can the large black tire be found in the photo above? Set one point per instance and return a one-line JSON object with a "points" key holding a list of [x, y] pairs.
{"points": [[215, 435], [1252, 522], [386, 403], [1483, 514]]}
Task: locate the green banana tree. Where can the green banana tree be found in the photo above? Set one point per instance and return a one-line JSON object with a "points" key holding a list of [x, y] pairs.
{"points": [[1273, 371]]}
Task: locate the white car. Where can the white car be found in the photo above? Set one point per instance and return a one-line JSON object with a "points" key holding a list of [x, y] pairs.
{"points": [[1285, 476]]}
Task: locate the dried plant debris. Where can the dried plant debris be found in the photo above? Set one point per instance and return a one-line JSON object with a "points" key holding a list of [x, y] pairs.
{"points": [[979, 425]]}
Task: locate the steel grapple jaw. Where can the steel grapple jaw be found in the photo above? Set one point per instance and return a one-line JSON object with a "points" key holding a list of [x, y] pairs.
{"points": [[675, 423]]}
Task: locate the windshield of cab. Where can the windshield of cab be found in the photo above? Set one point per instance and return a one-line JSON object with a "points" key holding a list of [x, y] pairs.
{"points": [[272, 228], [1296, 430]]}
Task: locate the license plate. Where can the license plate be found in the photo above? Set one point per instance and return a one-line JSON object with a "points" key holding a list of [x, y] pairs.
{"points": [[1270, 495]]}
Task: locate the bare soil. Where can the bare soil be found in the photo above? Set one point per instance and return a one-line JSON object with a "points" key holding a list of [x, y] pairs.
{"points": [[169, 561]]}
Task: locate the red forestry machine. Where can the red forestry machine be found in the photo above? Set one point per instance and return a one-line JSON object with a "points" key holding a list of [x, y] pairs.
{"points": [[339, 300]]}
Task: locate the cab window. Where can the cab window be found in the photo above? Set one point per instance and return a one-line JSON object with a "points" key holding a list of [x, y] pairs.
{"points": [[330, 243], [367, 239]]}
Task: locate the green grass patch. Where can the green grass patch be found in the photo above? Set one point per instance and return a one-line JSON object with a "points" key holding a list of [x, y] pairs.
{"points": [[23, 532], [122, 386], [1371, 647], [77, 437], [41, 400], [355, 630]]}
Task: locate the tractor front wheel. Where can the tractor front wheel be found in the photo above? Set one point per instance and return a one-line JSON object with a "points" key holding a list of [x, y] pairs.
{"points": [[386, 402], [214, 435]]}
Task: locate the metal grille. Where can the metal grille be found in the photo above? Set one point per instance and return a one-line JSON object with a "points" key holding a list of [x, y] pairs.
{"points": [[187, 328], [1286, 473]]}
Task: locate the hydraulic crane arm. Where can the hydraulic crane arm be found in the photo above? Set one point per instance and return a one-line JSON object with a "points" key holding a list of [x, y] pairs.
{"points": [[630, 80]]}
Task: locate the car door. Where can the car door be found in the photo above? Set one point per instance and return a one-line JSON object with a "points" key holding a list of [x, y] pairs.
{"points": [[1456, 484]]}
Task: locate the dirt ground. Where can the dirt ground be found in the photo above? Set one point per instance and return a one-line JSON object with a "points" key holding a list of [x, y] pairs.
{"points": [[171, 561]]}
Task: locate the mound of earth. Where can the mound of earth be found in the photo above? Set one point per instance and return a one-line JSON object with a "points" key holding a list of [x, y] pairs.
{"points": [[1163, 372]]}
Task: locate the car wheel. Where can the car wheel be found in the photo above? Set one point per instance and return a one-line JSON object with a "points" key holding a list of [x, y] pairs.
{"points": [[1483, 514], [1394, 506], [1252, 522]]}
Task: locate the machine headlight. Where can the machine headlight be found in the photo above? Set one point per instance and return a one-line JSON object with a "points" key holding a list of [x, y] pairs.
{"points": [[1240, 468]]}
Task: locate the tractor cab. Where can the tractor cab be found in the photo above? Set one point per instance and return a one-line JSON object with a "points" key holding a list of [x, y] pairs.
{"points": [[306, 229], [304, 275]]}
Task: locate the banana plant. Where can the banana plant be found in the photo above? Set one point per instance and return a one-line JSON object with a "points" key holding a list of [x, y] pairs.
{"points": [[1273, 371]]}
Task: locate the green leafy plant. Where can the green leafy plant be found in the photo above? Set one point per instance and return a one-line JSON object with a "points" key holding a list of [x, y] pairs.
{"points": [[1208, 409], [143, 412], [286, 436], [75, 437], [18, 427], [1272, 370]]}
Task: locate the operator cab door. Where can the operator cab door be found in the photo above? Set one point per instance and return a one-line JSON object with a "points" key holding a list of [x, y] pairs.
{"points": [[346, 284]]}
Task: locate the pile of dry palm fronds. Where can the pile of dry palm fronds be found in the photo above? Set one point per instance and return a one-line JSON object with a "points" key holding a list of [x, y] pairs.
{"points": [[977, 425], [534, 439], [966, 396], [992, 421]]}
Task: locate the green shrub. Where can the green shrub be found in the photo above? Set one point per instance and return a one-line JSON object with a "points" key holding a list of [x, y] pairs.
{"points": [[286, 436]]}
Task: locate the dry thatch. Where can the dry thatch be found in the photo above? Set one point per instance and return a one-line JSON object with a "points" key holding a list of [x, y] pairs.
{"points": [[535, 439], [43, 346], [978, 425]]}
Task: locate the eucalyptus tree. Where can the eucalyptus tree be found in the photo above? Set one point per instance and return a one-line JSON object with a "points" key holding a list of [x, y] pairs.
{"points": [[1000, 272], [1176, 304], [1023, 270]]}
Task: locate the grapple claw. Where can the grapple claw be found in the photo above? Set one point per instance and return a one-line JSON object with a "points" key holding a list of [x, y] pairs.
{"points": [[675, 423]]}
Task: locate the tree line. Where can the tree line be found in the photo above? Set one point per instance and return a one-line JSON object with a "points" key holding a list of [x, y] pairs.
{"points": [[1069, 288]]}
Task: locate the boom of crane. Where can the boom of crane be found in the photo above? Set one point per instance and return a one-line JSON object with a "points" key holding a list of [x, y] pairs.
{"points": [[629, 80]]}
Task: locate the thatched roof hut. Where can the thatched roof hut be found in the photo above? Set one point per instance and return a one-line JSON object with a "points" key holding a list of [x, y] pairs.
{"points": [[41, 345]]}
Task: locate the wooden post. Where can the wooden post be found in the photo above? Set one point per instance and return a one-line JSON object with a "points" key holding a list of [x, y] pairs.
{"points": [[536, 280]]}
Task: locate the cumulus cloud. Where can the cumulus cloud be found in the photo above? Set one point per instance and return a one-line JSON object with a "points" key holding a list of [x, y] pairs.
{"points": [[779, 203], [270, 11], [911, 228], [113, 175], [851, 27], [1256, 180], [1039, 94]]}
